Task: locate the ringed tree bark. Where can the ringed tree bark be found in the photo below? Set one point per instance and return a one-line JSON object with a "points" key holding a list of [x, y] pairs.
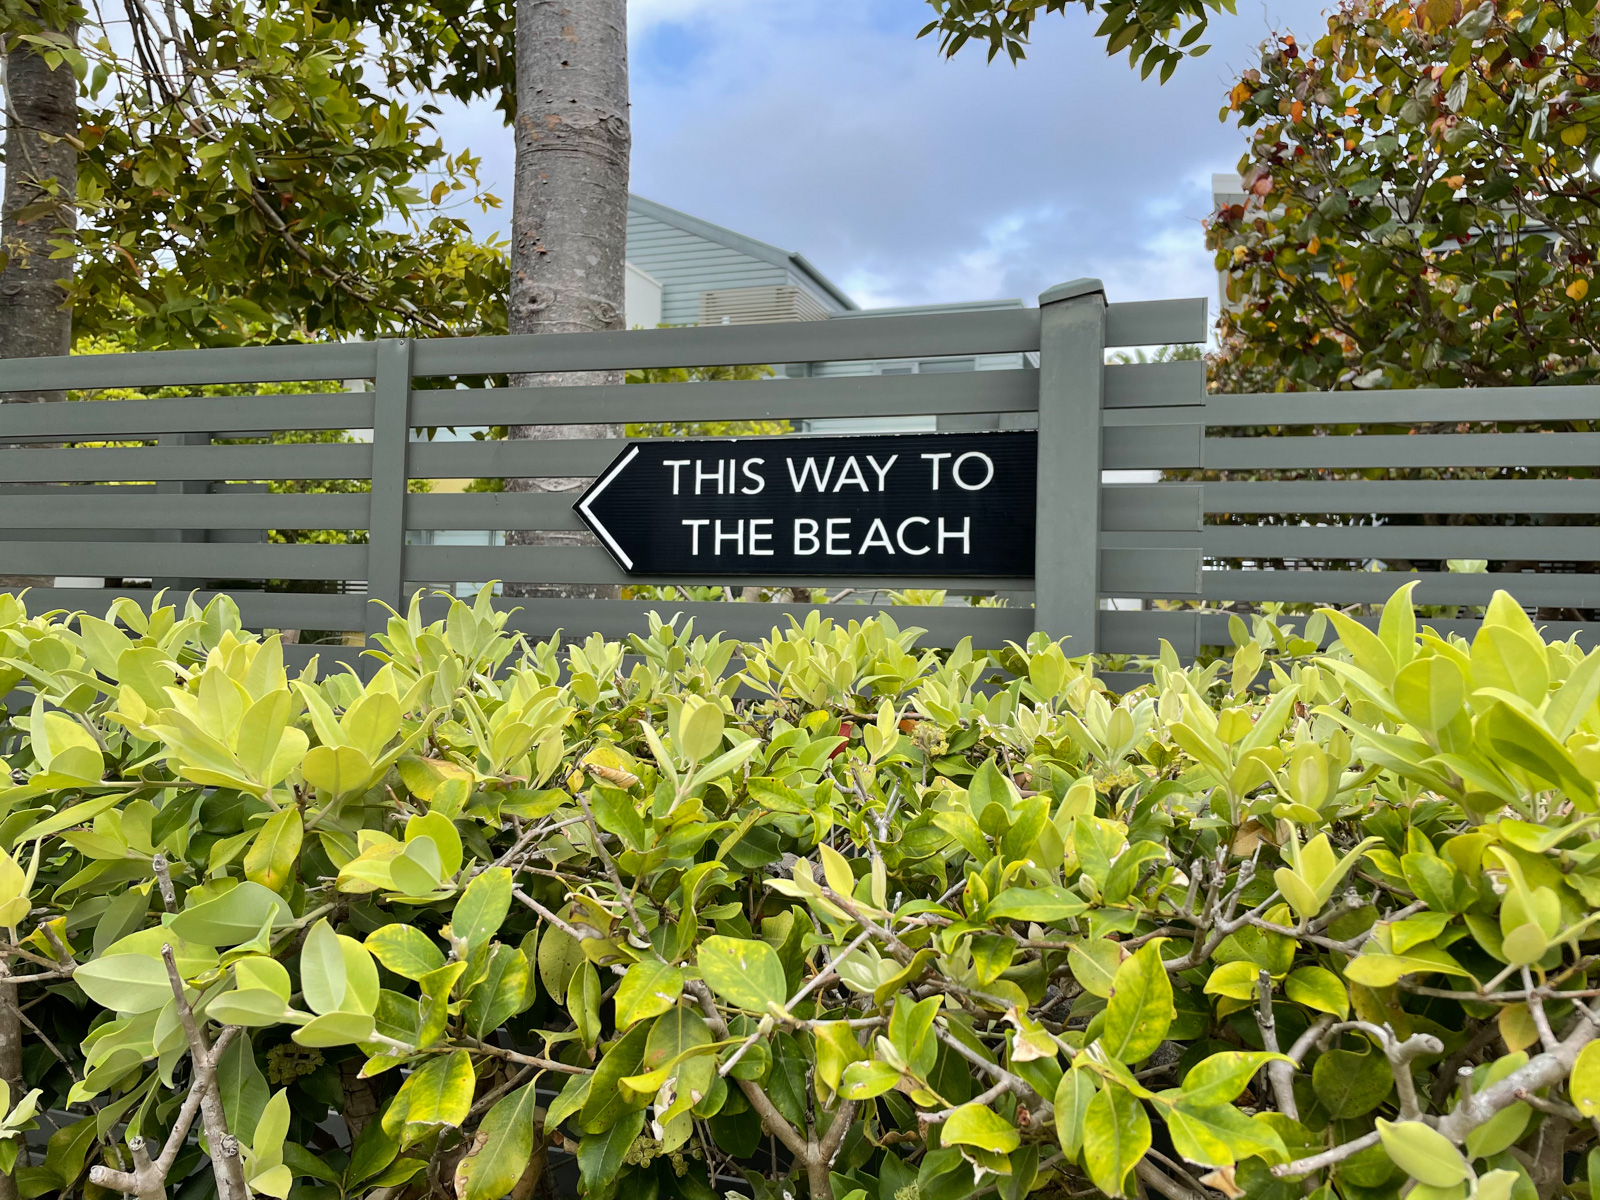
{"points": [[39, 205], [569, 219]]}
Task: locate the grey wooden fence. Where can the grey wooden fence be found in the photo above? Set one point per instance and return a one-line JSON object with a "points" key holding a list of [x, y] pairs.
{"points": [[177, 507]]}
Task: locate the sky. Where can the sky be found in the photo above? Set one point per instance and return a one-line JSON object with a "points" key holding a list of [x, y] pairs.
{"points": [[827, 127]]}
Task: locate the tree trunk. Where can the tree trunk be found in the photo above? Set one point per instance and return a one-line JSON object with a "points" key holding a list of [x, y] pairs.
{"points": [[39, 207], [569, 216], [11, 1064]]}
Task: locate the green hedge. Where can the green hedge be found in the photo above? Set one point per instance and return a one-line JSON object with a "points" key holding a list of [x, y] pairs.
{"points": [[860, 921]]}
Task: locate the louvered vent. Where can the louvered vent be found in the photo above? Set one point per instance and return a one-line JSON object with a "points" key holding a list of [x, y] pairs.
{"points": [[760, 306]]}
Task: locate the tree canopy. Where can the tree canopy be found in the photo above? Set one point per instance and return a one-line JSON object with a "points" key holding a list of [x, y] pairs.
{"points": [[244, 175], [1423, 190], [1155, 33]]}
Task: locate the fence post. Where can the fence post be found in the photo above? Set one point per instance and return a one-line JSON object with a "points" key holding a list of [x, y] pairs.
{"points": [[391, 443], [1072, 338]]}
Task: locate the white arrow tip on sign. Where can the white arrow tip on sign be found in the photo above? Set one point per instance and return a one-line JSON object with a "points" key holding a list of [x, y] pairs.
{"points": [[595, 523]]}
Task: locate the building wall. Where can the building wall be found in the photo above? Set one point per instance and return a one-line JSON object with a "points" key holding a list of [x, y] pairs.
{"points": [[641, 302], [687, 265]]}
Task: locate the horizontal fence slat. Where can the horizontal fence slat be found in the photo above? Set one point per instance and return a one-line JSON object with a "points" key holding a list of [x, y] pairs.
{"points": [[1214, 628], [1536, 589], [1141, 632], [1483, 496], [1170, 571], [239, 364], [493, 510], [331, 660], [1001, 331], [258, 610], [591, 564], [1544, 543], [1164, 414], [201, 560], [574, 458], [1152, 506], [83, 509], [102, 534], [989, 628], [186, 462], [1155, 385], [1419, 406], [1151, 446], [107, 420], [1124, 632], [1156, 322], [743, 400], [1443, 450]]}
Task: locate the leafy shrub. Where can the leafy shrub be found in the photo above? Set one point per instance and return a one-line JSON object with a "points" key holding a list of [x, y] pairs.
{"points": [[859, 921]]}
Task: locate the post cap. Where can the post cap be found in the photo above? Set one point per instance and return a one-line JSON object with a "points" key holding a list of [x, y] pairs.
{"points": [[1071, 291]]}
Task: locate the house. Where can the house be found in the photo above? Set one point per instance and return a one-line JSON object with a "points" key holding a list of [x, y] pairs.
{"points": [[685, 271], [682, 270]]}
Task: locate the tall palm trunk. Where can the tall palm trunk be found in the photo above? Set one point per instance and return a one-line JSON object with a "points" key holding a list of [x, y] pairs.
{"points": [[569, 217]]}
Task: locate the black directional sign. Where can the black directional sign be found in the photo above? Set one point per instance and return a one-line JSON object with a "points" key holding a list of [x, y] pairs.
{"points": [[896, 504]]}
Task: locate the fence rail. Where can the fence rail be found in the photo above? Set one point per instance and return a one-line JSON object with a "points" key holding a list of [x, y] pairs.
{"points": [[1274, 509]]}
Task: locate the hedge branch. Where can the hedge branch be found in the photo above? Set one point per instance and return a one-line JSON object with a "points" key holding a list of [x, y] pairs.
{"points": [[1399, 1053], [1546, 1069], [1169, 1187], [773, 1121], [223, 1147]]}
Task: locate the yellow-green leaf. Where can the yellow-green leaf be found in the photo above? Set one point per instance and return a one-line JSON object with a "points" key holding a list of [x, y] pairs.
{"points": [[648, 989], [1423, 1153], [1318, 988], [744, 972], [1116, 1135], [1139, 1010], [271, 858]]}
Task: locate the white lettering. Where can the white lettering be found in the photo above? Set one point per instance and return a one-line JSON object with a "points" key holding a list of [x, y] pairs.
{"points": [[851, 467], [883, 470], [676, 464], [757, 536], [900, 535], [877, 535], [836, 536], [761, 482], [955, 471], [694, 535], [810, 469], [736, 537], [952, 535], [701, 476], [809, 533], [934, 458]]}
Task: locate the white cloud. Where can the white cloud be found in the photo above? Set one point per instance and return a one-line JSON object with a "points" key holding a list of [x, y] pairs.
{"points": [[643, 15], [830, 129]]}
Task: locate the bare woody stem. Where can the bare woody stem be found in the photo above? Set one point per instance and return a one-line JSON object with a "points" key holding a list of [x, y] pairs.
{"points": [[222, 1145], [148, 1179], [772, 1120], [1543, 1070]]}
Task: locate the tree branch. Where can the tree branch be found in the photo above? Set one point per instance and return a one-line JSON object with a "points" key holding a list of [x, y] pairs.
{"points": [[1543, 1070], [772, 1120], [1153, 1177], [222, 1145]]}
